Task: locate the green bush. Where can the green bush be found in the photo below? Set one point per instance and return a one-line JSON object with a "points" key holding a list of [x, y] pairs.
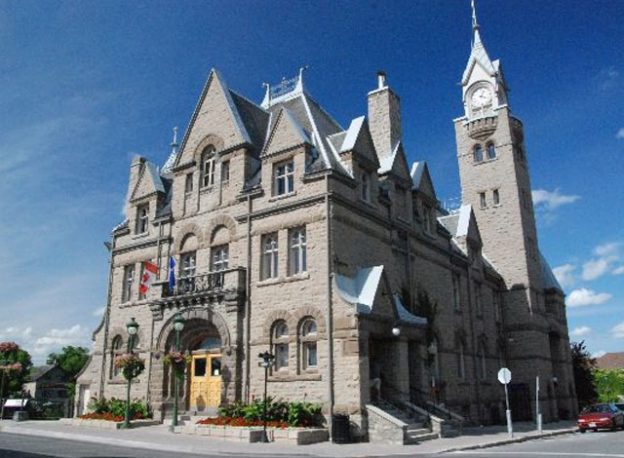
{"points": [[293, 413], [117, 407], [100, 405]]}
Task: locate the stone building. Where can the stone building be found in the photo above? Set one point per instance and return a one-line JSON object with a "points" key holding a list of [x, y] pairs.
{"points": [[325, 246]]}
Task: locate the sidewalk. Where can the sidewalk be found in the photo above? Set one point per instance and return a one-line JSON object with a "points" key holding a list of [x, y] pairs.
{"points": [[159, 438]]}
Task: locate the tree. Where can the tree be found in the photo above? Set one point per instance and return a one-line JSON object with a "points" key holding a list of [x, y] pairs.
{"points": [[583, 365], [15, 366], [71, 361], [609, 384]]}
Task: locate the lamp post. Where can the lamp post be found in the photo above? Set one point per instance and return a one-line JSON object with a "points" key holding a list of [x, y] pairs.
{"points": [[133, 327], [178, 325], [266, 362]]}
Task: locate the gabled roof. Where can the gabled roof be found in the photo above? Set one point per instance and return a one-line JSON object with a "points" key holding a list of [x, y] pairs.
{"points": [[611, 361], [285, 131], [478, 55], [149, 182], [421, 179]]}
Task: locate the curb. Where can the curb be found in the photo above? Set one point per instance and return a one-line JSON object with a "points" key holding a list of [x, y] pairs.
{"points": [[508, 441]]}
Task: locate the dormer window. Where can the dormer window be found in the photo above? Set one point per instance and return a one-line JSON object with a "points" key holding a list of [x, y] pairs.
{"points": [[284, 178], [365, 190], [207, 166], [477, 153], [142, 224], [491, 151]]}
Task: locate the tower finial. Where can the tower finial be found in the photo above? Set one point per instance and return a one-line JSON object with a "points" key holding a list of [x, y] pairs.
{"points": [[475, 24], [174, 142]]}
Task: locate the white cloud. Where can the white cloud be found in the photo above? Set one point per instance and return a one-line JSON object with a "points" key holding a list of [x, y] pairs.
{"points": [[599, 353], [595, 268], [583, 296], [607, 78], [618, 331], [56, 339], [618, 271], [580, 331], [608, 254], [564, 274], [620, 134], [551, 200], [16, 333], [607, 249]]}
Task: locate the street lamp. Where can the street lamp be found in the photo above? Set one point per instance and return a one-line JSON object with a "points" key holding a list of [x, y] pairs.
{"points": [[178, 325], [133, 327], [266, 362]]}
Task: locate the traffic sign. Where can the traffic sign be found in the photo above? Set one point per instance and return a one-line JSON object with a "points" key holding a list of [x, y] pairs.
{"points": [[504, 376]]}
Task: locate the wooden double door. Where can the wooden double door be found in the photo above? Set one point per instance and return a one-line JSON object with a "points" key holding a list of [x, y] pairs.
{"points": [[205, 381]]}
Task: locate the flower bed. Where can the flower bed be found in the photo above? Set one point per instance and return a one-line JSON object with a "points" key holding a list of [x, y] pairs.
{"points": [[240, 421], [107, 416]]}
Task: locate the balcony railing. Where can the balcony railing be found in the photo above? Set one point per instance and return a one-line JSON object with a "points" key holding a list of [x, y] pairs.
{"points": [[230, 280]]}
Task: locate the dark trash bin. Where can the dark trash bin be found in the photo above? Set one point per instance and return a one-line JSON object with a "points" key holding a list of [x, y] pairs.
{"points": [[341, 432]]}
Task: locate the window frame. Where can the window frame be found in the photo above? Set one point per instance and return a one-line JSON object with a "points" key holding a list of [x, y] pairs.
{"points": [[269, 256], [298, 257], [284, 173], [142, 221], [477, 153], [116, 349], [280, 343], [490, 151], [207, 165], [482, 200], [188, 183], [128, 282], [496, 196], [219, 258], [456, 279], [187, 270], [308, 340], [225, 172], [365, 187]]}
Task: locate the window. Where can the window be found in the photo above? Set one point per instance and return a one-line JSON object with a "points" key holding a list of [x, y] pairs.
{"points": [[482, 362], [365, 189], [280, 344], [187, 271], [298, 256], [220, 258], [456, 292], [307, 339], [115, 351], [482, 200], [142, 224], [461, 363], [188, 184], [478, 298], [284, 178], [477, 153], [435, 358], [491, 151], [496, 197], [270, 251], [428, 219], [128, 279], [498, 312], [225, 172], [207, 166]]}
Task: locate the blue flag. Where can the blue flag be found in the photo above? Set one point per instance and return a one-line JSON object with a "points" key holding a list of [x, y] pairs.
{"points": [[172, 279]]}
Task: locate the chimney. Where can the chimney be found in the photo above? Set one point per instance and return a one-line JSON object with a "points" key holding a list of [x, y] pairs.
{"points": [[384, 117]]}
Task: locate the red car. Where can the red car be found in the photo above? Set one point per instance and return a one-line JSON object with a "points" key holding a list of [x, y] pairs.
{"points": [[600, 416]]}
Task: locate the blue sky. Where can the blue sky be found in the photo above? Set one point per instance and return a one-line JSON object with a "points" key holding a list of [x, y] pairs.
{"points": [[85, 85]]}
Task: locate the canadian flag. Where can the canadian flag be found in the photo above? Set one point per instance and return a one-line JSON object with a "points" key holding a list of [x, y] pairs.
{"points": [[149, 274]]}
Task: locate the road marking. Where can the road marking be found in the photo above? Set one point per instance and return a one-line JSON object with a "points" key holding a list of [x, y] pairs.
{"points": [[482, 452]]}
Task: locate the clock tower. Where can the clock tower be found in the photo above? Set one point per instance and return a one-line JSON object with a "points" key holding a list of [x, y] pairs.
{"points": [[494, 174]]}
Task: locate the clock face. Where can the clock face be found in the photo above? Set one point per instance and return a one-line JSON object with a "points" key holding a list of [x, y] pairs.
{"points": [[481, 97]]}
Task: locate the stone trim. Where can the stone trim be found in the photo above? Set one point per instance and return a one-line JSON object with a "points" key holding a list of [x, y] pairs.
{"points": [[210, 139], [195, 313], [216, 222], [183, 233]]}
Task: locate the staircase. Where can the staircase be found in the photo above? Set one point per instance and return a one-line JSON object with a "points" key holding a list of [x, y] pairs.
{"points": [[388, 423]]}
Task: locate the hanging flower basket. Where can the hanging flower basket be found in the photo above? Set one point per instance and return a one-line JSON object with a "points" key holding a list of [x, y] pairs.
{"points": [[130, 364], [178, 361], [7, 368]]}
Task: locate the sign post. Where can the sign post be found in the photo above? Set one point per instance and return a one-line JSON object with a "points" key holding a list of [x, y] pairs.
{"points": [[504, 376], [538, 415]]}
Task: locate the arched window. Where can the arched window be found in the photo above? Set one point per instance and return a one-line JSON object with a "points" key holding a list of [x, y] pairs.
{"points": [[482, 362], [307, 340], [477, 153], [279, 338], [461, 360], [365, 190], [491, 151], [116, 349], [207, 166]]}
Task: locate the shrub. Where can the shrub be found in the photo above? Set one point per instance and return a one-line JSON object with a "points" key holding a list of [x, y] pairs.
{"points": [[304, 414], [278, 412], [115, 408]]}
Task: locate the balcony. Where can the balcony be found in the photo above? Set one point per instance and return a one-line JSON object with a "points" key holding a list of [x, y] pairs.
{"points": [[226, 286], [481, 128]]}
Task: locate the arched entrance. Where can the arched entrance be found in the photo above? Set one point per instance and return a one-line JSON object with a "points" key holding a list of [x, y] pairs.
{"points": [[201, 390]]}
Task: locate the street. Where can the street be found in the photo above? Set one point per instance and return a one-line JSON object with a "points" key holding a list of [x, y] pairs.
{"points": [[601, 444]]}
